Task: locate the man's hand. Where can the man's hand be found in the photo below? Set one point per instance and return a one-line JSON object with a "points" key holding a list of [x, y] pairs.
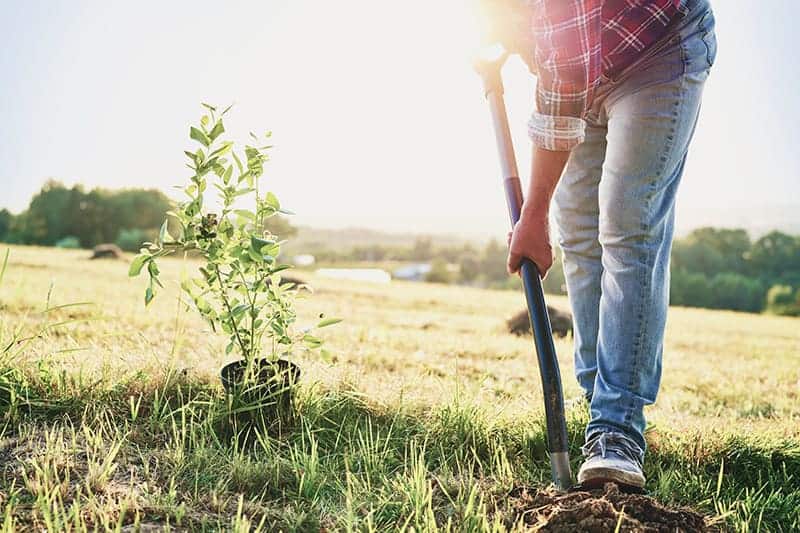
{"points": [[531, 235], [531, 239]]}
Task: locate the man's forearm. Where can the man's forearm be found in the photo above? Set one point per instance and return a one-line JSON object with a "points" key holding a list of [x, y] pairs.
{"points": [[531, 235], [546, 169]]}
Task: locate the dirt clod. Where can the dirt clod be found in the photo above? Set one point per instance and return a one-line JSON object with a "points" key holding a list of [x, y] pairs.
{"points": [[599, 511], [560, 322], [107, 251]]}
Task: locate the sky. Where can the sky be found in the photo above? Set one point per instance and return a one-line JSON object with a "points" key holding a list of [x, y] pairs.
{"points": [[378, 120]]}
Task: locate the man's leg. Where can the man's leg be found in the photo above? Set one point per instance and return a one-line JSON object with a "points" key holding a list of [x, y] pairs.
{"points": [[649, 131], [576, 216]]}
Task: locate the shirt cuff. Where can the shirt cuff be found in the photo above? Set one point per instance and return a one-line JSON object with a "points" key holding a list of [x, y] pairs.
{"points": [[554, 133]]}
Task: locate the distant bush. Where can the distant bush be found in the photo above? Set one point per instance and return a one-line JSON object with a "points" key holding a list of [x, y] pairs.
{"points": [[69, 241], [726, 290], [736, 292], [469, 267], [439, 273], [6, 219], [691, 289], [783, 300], [554, 282], [780, 295], [131, 240]]}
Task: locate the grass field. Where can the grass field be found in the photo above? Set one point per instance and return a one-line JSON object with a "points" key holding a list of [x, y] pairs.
{"points": [[427, 417]]}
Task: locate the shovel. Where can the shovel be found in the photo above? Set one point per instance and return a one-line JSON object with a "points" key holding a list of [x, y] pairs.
{"points": [[557, 444]]}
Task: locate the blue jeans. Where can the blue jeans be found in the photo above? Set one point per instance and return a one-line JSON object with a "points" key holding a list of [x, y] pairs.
{"points": [[615, 208]]}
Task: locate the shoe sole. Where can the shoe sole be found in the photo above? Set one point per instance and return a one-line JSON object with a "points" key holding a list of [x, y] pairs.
{"points": [[597, 477]]}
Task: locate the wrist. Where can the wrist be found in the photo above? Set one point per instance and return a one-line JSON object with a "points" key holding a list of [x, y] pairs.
{"points": [[533, 209]]}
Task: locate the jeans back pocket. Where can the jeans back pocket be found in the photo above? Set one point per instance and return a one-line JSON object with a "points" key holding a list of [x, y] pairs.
{"points": [[707, 24]]}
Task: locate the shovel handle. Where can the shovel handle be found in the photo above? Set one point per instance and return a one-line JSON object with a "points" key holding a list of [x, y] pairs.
{"points": [[557, 441]]}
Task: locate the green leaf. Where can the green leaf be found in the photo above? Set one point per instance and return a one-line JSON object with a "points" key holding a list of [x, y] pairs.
{"points": [[137, 264], [311, 341], [217, 130], [163, 234], [208, 106], [238, 164], [272, 252], [186, 285], [281, 268], [148, 296], [272, 201], [226, 178], [5, 264], [242, 192], [225, 191], [328, 322], [222, 150], [244, 213], [258, 244], [199, 136], [326, 356], [239, 309]]}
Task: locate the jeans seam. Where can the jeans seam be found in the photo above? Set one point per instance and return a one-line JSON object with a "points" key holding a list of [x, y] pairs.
{"points": [[645, 256]]}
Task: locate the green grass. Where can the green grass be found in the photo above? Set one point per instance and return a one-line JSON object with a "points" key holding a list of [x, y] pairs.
{"points": [[112, 415]]}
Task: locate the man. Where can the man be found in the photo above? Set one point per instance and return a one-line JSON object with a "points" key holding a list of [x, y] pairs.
{"points": [[619, 90]]}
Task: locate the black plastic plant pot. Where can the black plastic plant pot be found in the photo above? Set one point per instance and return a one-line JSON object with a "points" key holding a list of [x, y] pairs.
{"points": [[270, 387]]}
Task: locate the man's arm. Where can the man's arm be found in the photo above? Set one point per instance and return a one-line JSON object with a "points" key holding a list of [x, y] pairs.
{"points": [[531, 235], [568, 59]]}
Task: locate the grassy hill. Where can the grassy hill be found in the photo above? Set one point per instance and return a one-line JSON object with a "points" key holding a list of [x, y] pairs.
{"points": [[429, 414]]}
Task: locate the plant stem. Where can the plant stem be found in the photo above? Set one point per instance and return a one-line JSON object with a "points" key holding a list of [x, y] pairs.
{"points": [[245, 353], [252, 299]]}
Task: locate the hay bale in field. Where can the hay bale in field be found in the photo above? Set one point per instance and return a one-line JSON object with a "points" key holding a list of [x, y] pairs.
{"points": [[286, 280], [560, 322], [106, 251]]}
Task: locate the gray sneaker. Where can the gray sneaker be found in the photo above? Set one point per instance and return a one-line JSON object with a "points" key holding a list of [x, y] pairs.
{"points": [[611, 457]]}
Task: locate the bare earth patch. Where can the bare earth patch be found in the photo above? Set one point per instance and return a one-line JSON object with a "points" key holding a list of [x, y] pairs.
{"points": [[600, 511]]}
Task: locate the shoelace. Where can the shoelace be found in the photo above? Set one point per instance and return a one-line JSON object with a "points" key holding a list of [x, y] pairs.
{"points": [[616, 443]]}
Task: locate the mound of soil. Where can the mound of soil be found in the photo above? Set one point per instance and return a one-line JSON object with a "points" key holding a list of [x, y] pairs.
{"points": [[600, 511], [560, 322], [285, 280], [106, 251]]}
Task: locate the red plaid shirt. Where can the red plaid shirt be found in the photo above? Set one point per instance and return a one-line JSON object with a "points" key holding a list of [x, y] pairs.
{"points": [[577, 41]]}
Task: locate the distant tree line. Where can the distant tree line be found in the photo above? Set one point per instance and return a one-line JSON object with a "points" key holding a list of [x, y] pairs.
{"points": [[76, 218], [724, 269], [713, 268], [72, 217]]}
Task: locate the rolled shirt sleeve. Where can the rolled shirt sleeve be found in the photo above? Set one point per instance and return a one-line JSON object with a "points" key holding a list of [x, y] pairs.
{"points": [[558, 134], [568, 61]]}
